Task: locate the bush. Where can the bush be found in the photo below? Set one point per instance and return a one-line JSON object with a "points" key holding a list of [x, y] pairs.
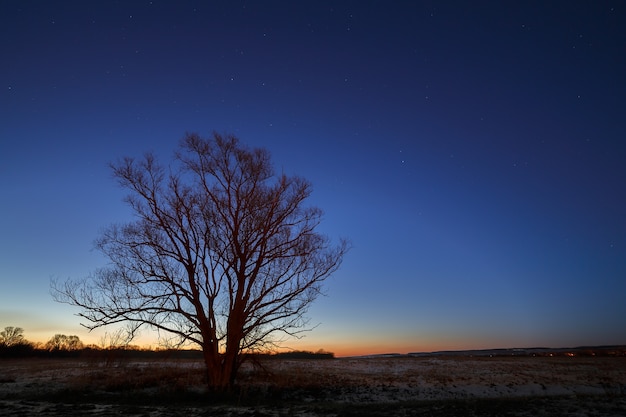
{"points": [[17, 350]]}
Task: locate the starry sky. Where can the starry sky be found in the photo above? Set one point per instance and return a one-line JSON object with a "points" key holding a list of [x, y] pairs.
{"points": [[473, 153]]}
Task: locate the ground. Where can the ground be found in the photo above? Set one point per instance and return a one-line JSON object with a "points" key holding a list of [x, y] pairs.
{"points": [[402, 386]]}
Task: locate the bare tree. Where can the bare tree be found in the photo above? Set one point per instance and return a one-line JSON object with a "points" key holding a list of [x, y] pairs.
{"points": [[12, 336], [223, 254], [64, 342]]}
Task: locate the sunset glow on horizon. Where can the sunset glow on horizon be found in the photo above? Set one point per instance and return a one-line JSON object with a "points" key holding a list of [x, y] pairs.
{"points": [[313, 343]]}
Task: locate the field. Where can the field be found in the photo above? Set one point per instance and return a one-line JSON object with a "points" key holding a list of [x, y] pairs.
{"points": [[402, 386]]}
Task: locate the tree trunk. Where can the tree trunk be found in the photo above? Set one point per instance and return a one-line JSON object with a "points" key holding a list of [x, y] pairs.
{"points": [[221, 369], [216, 381]]}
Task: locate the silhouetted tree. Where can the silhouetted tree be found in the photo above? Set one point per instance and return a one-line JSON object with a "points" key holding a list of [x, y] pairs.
{"points": [[13, 343], [62, 342], [12, 336], [222, 254]]}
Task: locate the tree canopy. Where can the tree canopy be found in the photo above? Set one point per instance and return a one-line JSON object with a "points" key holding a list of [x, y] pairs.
{"points": [[11, 336]]}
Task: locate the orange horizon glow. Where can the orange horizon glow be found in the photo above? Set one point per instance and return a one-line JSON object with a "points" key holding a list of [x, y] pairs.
{"points": [[339, 349], [341, 345]]}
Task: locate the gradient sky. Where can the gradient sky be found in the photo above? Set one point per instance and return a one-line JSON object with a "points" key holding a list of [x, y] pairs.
{"points": [[473, 152]]}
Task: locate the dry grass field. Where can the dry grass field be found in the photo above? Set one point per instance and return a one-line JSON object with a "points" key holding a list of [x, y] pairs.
{"points": [[400, 386]]}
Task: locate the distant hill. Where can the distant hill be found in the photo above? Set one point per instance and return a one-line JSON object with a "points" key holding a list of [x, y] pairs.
{"points": [[612, 350]]}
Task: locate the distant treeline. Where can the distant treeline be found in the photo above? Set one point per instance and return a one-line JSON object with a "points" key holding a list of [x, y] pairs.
{"points": [[582, 351], [14, 345], [297, 354], [24, 350], [94, 352]]}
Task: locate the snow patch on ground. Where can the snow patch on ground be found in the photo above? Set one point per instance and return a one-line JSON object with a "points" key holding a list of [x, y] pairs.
{"points": [[582, 384]]}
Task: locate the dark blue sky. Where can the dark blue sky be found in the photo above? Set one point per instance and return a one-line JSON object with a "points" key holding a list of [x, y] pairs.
{"points": [[472, 151]]}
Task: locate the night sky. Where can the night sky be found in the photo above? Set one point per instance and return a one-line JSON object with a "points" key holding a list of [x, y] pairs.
{"points": [[472, 151]]}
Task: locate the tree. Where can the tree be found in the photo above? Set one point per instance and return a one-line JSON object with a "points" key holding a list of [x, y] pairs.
{"points": [[63, 342], [223, 254], [12, 336]]}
